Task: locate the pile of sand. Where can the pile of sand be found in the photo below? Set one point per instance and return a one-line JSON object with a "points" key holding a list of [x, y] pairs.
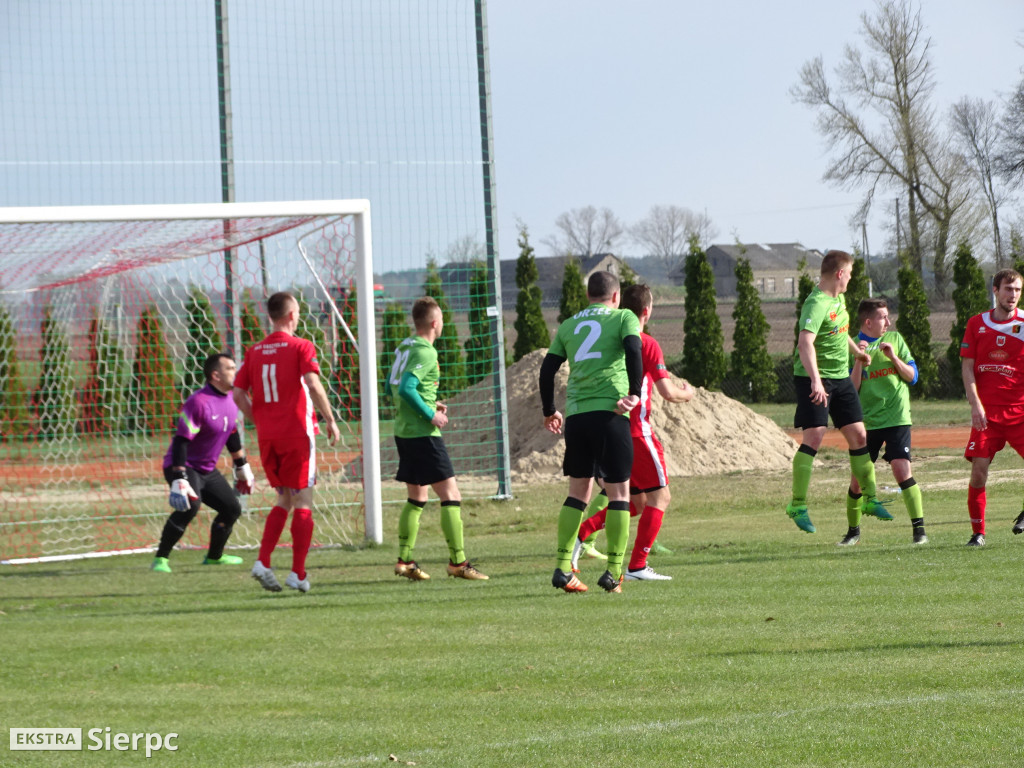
{"points": [[709, 435]]}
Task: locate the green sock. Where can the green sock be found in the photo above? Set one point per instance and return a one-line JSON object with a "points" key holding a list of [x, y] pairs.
{"points": [[912, 498], [852, 508], [569, 518], [408, 527], [864, 470], [616, 530], [803, 465], [451, 524]]}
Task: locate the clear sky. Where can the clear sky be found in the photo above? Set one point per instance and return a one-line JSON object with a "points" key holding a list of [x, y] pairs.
{"points": [[629, 105]]}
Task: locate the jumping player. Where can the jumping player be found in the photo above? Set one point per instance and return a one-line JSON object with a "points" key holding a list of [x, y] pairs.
{"points": [[423, 461], [277, 388], [884, 388], [649, 493], [821, 376], [206, 426], [992, 365]]}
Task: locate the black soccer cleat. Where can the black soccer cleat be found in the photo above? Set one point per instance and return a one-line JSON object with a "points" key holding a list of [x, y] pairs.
{"points": [[1018, 524]]}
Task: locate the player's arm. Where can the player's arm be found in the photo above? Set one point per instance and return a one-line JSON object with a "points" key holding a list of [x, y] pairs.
{"points": [[978, 418], [548, 368], [857, 352], [244, 478], [322, 405], [809, 359], [633, 349], [857, 372], [907, 370], [674, 393], [244, 403], [408, 390]]}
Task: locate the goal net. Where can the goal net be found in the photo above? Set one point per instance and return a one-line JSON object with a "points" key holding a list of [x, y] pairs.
{"points": [[106, 316]]}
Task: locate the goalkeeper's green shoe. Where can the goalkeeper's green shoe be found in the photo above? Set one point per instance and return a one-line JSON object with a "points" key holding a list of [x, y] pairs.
{"points": [[658, 549], [160, 565], [799, 516], [224, 560], [875, 508]]}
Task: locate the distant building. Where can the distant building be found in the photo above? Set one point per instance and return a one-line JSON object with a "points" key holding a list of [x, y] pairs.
{"points": [[550, 270], [776, 267]]}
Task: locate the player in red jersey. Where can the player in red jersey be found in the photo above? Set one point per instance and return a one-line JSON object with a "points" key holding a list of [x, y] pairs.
{"points": [[277, 388], [649, 479], [992, 364]]}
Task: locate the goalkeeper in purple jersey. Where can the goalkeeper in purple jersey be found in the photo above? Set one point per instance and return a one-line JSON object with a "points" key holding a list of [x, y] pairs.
{"points": [[208, 424]]}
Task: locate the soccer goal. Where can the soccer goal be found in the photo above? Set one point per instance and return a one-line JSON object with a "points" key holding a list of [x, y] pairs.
{"points": [[106, 315]]}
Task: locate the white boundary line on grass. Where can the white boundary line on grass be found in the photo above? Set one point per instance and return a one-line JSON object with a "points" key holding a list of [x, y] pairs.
{"points": [[669, 725]]}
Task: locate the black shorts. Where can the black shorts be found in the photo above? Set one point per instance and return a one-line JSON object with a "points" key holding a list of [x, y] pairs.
{"points": [[598, 444], [842, 404], [213, 489], [896, 439], [422, 460]]}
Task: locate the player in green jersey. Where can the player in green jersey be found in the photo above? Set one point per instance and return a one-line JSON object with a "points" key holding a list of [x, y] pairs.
{"points": [[821, 377], [422, 457], [884, 388], [602, 345]]}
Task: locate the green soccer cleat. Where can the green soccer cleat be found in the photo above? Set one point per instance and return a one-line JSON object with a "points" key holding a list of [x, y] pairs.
{"points": [[160, 565], [798, 514], [224, 560], [876, 508], [658, 549]]}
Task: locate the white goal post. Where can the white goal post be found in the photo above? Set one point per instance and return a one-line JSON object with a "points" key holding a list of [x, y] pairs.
{"points": [[104, 311]]}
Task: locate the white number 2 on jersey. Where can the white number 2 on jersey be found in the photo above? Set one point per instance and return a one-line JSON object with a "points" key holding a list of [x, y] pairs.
{"points": [[401, 360], [270, 383], [593, 334]]}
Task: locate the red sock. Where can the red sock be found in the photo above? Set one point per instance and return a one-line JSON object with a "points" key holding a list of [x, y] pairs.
{"points": [[272, 533], [302, 537], [976, 508], [646, 532], [633, 511], [592, 524]]}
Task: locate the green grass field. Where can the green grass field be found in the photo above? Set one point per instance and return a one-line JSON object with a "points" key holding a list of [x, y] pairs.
{"points": [[770, 647]]}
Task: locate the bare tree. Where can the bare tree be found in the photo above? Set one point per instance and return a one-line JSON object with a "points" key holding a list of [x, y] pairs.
{"points": [[666, 231], [585, 231], [976, 132], [899, 148], [464, 250], [1010, 160]]}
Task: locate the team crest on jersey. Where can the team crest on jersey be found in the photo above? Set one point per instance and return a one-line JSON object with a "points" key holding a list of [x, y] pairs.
{"points": [[832, 316], [1000, 341], [1016, 329]]}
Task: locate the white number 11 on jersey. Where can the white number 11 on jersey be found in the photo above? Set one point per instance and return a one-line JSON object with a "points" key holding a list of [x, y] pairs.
{"points": [[270, 383]]}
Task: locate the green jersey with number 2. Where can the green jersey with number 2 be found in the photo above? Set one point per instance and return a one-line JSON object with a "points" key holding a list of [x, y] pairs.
{"points": [[591, 340], [417, 356]]}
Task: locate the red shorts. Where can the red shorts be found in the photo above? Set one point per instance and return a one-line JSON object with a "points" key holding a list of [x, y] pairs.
{"points": [[649, 470], [289, 463], [987, 443]]}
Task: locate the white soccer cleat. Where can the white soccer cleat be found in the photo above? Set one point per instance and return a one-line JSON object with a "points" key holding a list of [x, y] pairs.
{"points": [[646, 574], [294, 582], [265, 576]]}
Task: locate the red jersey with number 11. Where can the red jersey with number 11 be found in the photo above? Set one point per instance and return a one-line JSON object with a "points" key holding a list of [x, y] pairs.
{"points": [[272, 373], [997, 348]]}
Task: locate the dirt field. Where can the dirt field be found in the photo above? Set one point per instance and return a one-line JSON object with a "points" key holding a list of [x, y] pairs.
{"points": [[922, 437]]}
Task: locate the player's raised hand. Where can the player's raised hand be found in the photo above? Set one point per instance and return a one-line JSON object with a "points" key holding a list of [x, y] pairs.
{"points": [[244, 478], [887, 350], [553, 423], [182, 495]]}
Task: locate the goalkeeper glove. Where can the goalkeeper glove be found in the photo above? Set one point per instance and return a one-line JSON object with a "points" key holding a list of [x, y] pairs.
{"points": [[244, 477], [182, 495]]}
